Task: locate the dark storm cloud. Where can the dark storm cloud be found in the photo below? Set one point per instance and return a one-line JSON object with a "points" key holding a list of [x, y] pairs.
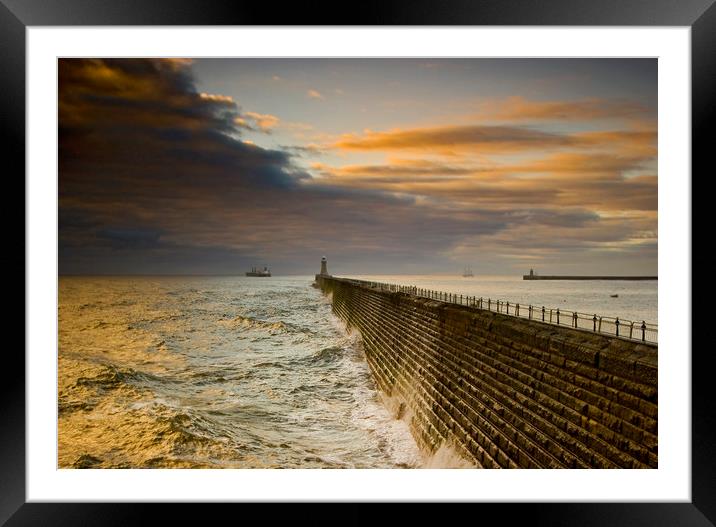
{"points": [[130, 238], [118, 116], [150, 166]]}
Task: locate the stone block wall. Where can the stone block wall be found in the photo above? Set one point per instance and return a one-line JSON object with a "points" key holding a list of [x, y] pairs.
{"points": [[505, 392]]}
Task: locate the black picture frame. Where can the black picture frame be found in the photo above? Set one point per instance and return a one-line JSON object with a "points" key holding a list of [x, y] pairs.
{"points": [[699, 15]]}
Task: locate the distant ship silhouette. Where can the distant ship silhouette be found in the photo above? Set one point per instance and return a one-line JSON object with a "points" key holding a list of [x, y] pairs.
{"points": [[467, 272], [256, 272]]}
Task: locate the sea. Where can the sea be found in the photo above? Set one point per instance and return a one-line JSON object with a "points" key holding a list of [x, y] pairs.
{"points": [[240, 372]]}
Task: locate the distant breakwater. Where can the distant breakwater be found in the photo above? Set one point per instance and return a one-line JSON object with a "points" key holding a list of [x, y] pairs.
{"points": [[501, 391], [557, 277]]}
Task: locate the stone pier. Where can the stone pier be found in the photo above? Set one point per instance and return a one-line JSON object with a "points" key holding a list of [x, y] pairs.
{"points": [[501, 391]]}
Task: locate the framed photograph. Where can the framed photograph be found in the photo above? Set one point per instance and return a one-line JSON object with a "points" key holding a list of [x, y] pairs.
{"points": [[391, 254]]}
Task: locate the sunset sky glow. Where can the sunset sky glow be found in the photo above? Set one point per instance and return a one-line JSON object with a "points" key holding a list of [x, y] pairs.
{"points": [[386, 166]]}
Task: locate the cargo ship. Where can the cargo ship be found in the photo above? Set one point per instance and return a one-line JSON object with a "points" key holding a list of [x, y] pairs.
{"points": [[255, 271]]}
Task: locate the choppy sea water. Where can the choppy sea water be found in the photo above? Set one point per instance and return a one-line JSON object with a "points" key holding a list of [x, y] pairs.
{"points": [[213, 372], [237, 372]]}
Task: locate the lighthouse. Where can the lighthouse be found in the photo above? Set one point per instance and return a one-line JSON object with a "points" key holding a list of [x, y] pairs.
{"points": [[324, 269]]}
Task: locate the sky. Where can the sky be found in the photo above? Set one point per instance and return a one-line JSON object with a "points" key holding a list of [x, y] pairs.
{"points": [[384, 166]]}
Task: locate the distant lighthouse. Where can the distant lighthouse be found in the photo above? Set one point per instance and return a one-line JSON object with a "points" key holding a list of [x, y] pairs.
{"points": [[324, 269]]}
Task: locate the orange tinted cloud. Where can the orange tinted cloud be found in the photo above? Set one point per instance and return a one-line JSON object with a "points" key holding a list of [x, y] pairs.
{"points": [[258, 122], [264, 121], [585, 166], [484, 138], [314, 94], [217, 98], [601, 181], [626, 142], [495, 139], [519, 108]]}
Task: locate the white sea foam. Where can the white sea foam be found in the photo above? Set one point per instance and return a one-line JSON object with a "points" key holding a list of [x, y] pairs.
{"points": [[216, 372]]}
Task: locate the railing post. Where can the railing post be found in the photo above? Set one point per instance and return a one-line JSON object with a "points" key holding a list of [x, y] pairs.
{"points": [[530, 312], [542, 313], [488, 304], [508, 308], [558, 316], [595, 322], [643, 331], [517, 310], [600, 325], [575, 319], [480, 302], [616, 323], [631, 329]]}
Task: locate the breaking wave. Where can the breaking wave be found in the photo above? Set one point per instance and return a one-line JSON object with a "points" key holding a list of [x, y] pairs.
{"points": [[215, 373]]}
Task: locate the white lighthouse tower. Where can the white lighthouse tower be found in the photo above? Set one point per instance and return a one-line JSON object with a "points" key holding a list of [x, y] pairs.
{"points": [[324, 269]]}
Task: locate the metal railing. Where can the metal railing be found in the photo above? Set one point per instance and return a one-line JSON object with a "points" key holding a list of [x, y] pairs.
{"points": [[615, 326]]}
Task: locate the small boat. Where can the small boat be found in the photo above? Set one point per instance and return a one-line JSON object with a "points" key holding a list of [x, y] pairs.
{"points": [[467, 272], [614, 296]]}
